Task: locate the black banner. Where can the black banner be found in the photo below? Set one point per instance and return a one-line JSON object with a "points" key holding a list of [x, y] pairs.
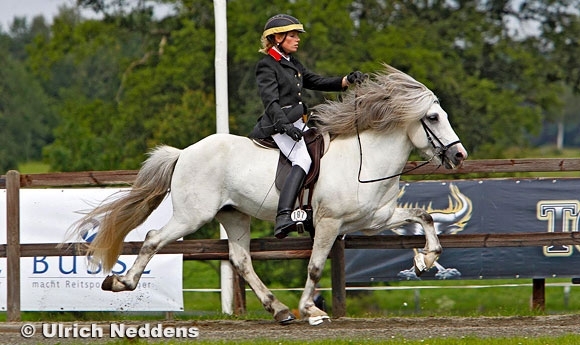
{"points": [[482, 206]]}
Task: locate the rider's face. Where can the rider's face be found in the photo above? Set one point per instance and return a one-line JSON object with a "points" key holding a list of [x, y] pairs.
{"points": [[290, 44]]}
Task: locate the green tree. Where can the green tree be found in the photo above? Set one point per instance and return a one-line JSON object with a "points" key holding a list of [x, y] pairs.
{"points": [[81, 63], [154, 76], [464, 52], [26, 116], [157, 75], [26, 113]]}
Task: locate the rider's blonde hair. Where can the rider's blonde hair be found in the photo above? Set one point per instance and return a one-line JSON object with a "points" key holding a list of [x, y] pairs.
{"points": [[266, 45]]}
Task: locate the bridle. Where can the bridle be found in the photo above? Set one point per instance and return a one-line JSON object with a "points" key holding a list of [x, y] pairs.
{"points": [[439, 151]]}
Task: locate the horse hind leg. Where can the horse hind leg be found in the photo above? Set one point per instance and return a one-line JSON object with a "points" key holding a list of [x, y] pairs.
{"points": [[154, 241], [237, 226]]}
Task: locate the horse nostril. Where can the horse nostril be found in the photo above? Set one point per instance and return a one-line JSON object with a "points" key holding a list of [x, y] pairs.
{"points": [[461, 154]]}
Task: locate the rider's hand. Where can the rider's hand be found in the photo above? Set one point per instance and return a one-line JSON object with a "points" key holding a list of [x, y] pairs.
{"points": [[293, 132], [356, 77]]}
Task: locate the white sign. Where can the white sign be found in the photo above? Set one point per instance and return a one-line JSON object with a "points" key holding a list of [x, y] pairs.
{"points": [[66, 283]]}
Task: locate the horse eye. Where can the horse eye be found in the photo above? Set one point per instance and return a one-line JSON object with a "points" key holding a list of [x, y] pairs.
{"points": [[433, 117]]}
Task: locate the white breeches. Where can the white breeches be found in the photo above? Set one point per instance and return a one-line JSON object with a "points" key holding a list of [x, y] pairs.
{"points": [[295, 151]]}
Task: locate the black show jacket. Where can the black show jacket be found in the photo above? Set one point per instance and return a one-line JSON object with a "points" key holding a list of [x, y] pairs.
{"points": [[280, 85]]}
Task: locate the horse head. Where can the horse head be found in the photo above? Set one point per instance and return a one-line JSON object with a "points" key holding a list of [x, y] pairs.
{"points": [[434, 137]]}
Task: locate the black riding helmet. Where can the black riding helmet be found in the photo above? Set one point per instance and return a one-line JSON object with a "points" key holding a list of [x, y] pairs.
{"points": [[281, 23]]}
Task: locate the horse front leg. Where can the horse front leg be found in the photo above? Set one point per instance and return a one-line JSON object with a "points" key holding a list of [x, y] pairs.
{"points": [[326, 233], [237, 226], [425, 258], [432, 249]]}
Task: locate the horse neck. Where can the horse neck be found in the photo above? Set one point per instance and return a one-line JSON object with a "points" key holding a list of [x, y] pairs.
{"points": [[383, 154]]}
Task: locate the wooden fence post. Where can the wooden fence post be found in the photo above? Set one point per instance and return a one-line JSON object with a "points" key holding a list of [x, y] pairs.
{"points": [[239, 295], [538, 294], [338, 279], [13, 245]]}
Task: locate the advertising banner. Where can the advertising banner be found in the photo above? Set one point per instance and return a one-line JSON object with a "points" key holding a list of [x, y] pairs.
{"points": [[67, 283], [482, 206]]}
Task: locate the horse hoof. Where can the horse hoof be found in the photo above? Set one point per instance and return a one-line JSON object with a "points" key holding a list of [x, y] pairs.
{"points": [[285, 318], [317, 320], [419, 264], [107, 284]]}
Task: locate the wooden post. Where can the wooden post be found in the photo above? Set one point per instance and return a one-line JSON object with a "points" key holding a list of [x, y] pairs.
{"points": [[239, 295], [338, 279], [539, 294], [13, 245]]}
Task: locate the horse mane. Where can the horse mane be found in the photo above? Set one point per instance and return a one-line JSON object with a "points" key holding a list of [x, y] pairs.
{"points": [[387, 100]]}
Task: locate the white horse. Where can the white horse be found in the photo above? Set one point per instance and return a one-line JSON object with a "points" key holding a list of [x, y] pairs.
{"points": [[229, 178]]}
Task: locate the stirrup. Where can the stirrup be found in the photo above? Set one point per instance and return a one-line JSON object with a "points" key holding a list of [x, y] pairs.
{"points": [[291, 222], [299, 216]]}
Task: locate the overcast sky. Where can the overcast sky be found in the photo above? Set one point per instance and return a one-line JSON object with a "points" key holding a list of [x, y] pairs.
{"points": [[29, 8], [48, 8]]}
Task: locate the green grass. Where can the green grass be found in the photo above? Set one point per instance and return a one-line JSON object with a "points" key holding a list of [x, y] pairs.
{"points": [[449, 300], [419, 301], [33, 168]]}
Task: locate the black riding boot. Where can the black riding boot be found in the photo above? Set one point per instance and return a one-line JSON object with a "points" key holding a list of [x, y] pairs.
{"points": [[288, 194]]}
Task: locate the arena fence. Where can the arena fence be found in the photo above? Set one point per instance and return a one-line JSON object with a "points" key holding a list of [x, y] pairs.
{"points": [[270, 248]]}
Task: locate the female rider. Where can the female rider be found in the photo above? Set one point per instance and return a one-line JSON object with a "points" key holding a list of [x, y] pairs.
{"points": [[281, 78]]}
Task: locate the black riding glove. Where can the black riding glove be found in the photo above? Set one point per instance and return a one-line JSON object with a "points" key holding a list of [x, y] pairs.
{"points": [[293, 132], [356, 77]]}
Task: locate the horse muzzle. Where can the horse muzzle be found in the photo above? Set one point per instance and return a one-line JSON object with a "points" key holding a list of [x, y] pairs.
{"points": [[453, 155]]}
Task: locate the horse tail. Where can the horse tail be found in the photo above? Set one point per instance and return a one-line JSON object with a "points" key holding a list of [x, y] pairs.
{"points": [[126, 210]]}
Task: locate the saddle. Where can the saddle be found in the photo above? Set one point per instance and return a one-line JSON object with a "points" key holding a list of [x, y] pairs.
{"points": [[315, 143]]}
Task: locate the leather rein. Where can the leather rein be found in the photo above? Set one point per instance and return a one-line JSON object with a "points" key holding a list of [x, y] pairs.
{"points": [[440, 151]]}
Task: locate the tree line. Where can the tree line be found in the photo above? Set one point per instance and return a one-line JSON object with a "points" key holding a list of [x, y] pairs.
{"points": [[97, 94]]}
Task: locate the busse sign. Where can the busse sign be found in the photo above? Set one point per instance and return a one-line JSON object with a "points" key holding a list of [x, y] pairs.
{"points": [[67, 283]]}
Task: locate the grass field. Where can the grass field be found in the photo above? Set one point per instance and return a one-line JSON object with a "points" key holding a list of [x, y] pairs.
{"points": [[503, 297]]}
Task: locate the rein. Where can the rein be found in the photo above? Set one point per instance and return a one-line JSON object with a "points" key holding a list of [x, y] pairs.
{"points": [[439, 152]]}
